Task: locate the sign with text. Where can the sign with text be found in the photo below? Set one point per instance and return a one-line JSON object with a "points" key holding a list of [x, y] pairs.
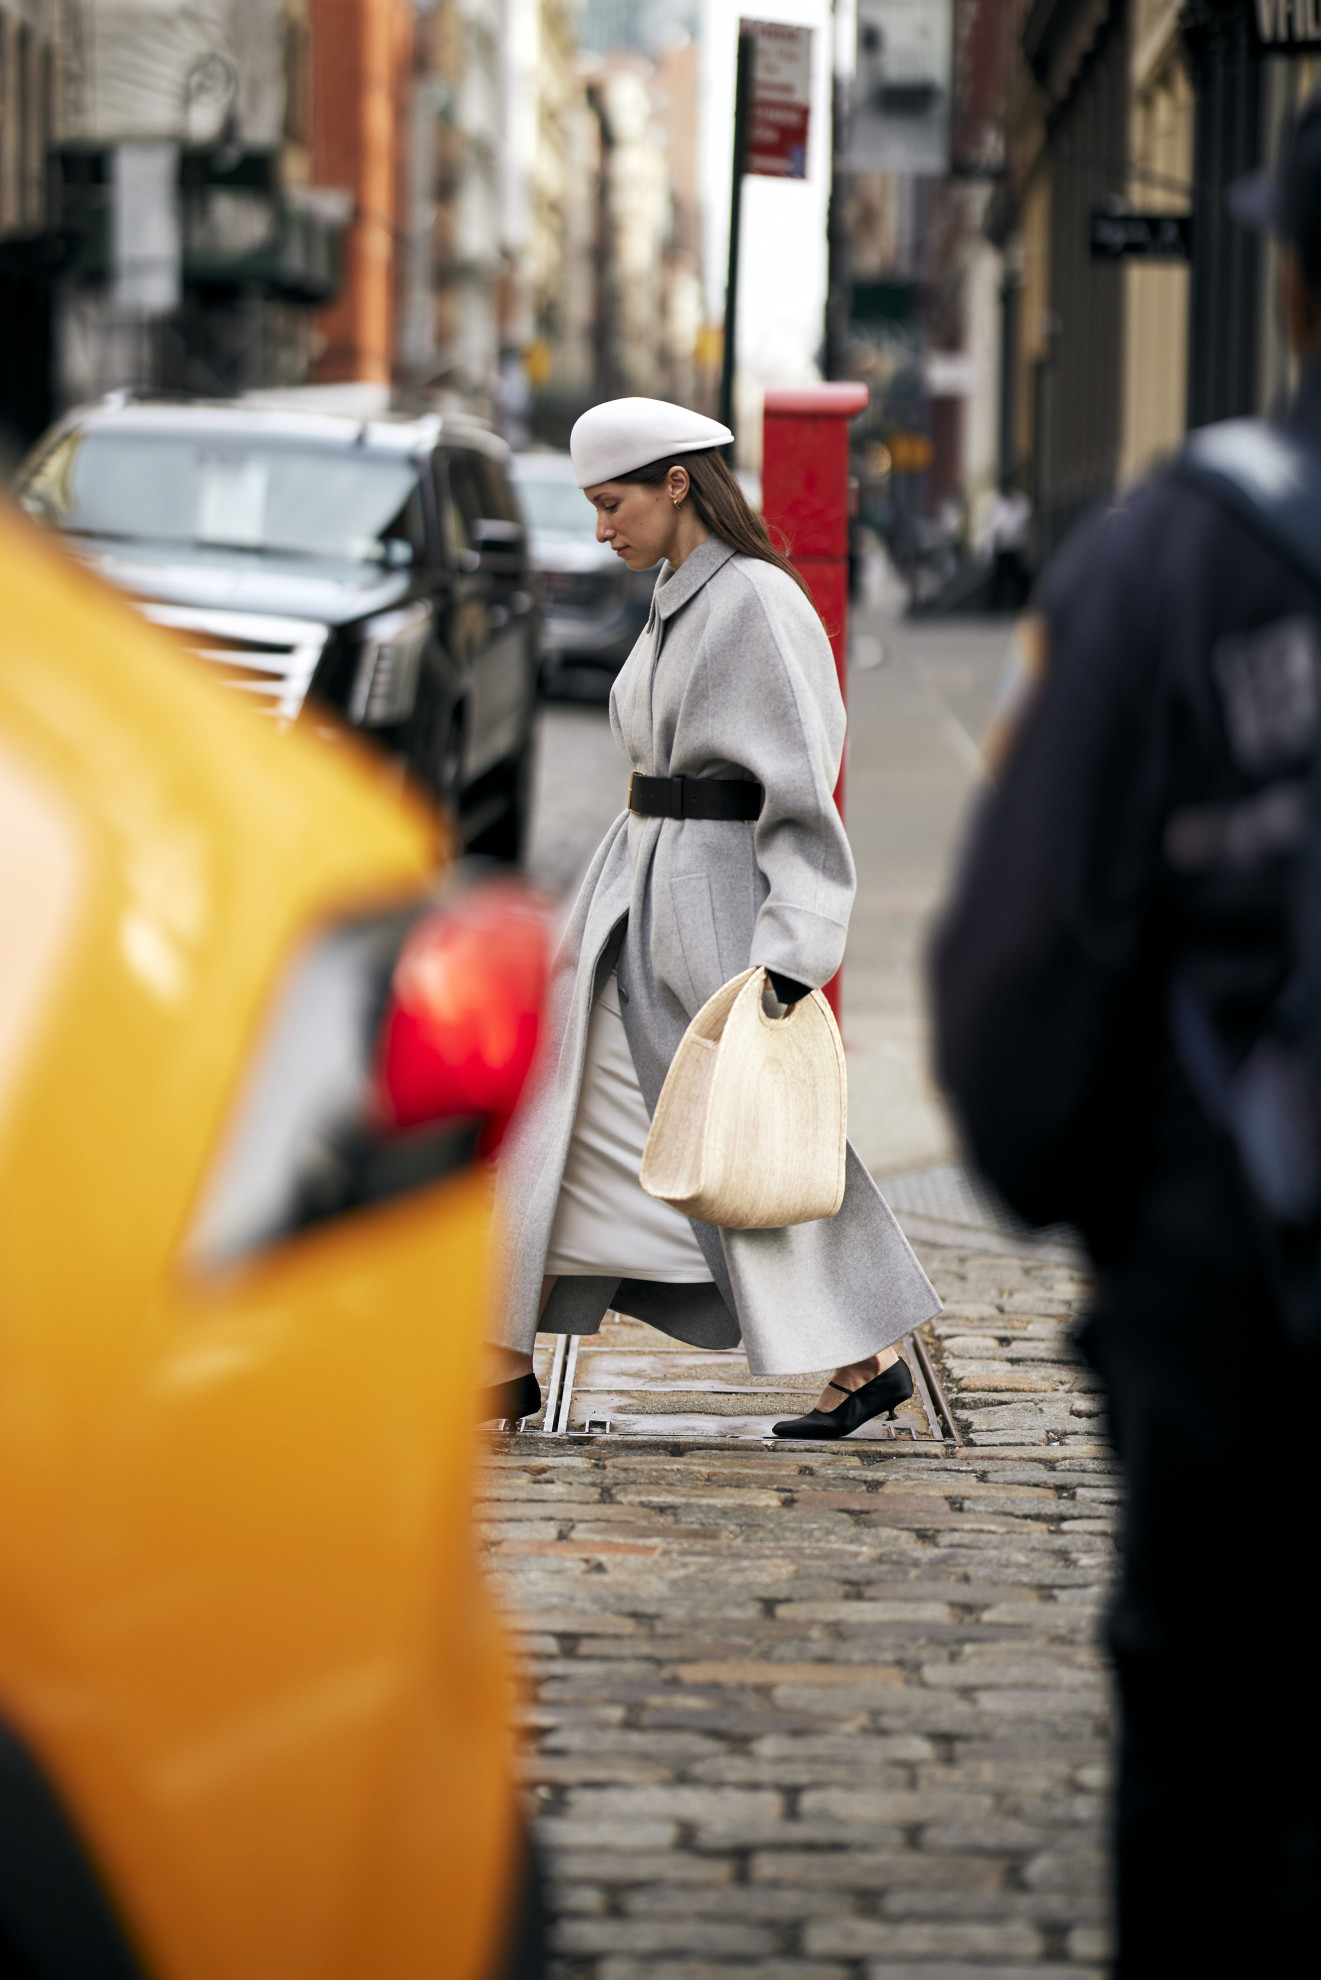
{"points": [[781, 105], [1286, 27], [1142, 236], [145, 237], [899, 119]]}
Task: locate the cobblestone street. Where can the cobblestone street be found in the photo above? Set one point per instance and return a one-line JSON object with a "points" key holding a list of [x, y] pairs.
{"points": [[828, 1712]]}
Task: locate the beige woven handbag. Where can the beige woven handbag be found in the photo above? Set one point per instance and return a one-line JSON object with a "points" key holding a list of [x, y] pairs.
{"points": [[749, 1128]]}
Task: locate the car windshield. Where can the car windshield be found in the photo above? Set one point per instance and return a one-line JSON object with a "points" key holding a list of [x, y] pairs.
{"points": [[241, 494], [553, 502]]}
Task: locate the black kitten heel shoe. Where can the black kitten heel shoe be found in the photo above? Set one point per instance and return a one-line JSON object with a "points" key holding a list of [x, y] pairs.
{"points": [[879, 1397], [512, 1400]]}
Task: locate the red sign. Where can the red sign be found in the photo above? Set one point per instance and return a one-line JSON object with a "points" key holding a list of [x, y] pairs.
{"points": [[781, 99]]}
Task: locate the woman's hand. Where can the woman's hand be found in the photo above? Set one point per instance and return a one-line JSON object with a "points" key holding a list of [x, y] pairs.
{"points": [[785, 990]]}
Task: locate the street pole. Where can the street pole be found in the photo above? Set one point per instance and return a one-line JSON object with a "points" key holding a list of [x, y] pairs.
{"points": [[835, 341], [742, 104], [1225, 316]]}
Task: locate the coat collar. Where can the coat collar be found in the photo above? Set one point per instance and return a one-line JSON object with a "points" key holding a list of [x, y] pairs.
{"points": [[675, 588]]}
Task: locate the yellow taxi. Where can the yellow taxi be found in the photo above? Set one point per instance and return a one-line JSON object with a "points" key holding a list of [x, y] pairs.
{"points": [[255, 1702]]}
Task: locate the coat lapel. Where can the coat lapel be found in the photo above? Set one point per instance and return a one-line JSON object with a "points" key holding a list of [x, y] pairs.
{"points": [[674, 589], [632, 709]]}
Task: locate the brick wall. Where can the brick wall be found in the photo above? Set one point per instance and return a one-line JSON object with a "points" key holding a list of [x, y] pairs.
{"points": [[361, 55]]}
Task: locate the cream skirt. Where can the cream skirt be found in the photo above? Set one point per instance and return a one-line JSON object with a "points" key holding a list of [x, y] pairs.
{"points": [[605, 1223]]}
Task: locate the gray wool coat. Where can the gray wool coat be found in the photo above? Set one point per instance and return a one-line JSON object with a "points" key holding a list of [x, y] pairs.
{"points": [[732, 677]]}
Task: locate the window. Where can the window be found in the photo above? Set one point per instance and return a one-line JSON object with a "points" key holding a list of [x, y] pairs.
{"points": [[499, 503], [458, 498], [236, 493]]}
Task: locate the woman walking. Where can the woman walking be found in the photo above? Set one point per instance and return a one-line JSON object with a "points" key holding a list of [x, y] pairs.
{"points": [[731, 854]]}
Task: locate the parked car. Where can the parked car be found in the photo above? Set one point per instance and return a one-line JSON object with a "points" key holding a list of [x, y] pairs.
{"points": [[255, 1702], [374, 568], [593, 606]]}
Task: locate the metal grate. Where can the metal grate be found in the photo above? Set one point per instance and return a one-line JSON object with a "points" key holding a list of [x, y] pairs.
{"points": [[628, 1381]]}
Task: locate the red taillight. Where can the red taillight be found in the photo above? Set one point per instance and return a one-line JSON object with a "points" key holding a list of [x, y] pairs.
{"points": [[461, 1029]]}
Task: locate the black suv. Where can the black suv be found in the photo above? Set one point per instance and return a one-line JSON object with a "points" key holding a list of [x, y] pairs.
{"points": [[377, 568]]}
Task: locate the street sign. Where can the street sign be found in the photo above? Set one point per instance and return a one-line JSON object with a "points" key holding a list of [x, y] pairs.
{"points": [[145, 241], [899, 119], [1286, 27], [781, 99], [1142, 236]]}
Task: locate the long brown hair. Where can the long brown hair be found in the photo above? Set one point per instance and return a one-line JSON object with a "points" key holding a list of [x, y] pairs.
{"points": [[721, 504]]}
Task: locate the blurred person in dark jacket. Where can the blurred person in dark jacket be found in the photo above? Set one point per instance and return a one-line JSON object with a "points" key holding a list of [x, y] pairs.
{"points": [[1144, 837], [1004, 544]]}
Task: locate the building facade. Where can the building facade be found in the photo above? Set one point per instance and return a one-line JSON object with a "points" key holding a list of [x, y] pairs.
{"points": [[1052, 313], [360, 135], [460, 262], [444, 202], [1141, 108], [926, 279], [543, 224], [198, 242]]}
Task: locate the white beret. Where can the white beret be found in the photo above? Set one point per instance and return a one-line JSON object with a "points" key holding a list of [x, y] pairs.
{"points": [[624, 434]]}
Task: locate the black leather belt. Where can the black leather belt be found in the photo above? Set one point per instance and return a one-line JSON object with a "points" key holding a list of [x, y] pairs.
{"points": [[728, 798]]}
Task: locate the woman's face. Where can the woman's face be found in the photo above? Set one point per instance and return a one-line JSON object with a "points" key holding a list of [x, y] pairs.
{"points": [[640, 524]]}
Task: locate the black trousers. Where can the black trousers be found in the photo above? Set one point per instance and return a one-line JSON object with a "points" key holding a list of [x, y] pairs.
{"points": [[1214, 1631], [1010, 581]]}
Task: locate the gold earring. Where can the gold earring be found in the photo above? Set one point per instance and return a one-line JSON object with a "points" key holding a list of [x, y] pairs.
{"points": [[676, 500]]}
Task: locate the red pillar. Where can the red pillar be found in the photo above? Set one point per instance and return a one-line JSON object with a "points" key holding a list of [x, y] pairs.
{"points": [[805, 501]]}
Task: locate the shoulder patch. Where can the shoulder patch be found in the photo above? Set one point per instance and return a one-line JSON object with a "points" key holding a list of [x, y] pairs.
{"points": [[1268, 682]]}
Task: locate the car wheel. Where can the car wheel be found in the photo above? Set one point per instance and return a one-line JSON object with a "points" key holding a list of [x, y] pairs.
{"points": [[433, 744], [507, 838]]}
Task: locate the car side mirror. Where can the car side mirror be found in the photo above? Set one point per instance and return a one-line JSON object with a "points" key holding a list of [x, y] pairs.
{"points": [[490, 536], [39, 507]]}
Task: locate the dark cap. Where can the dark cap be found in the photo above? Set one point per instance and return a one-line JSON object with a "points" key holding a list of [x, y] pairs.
{"points": [[1288, 200]]}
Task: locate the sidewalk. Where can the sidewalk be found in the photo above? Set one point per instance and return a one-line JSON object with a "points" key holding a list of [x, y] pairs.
{"points": [[833, 1713]]}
